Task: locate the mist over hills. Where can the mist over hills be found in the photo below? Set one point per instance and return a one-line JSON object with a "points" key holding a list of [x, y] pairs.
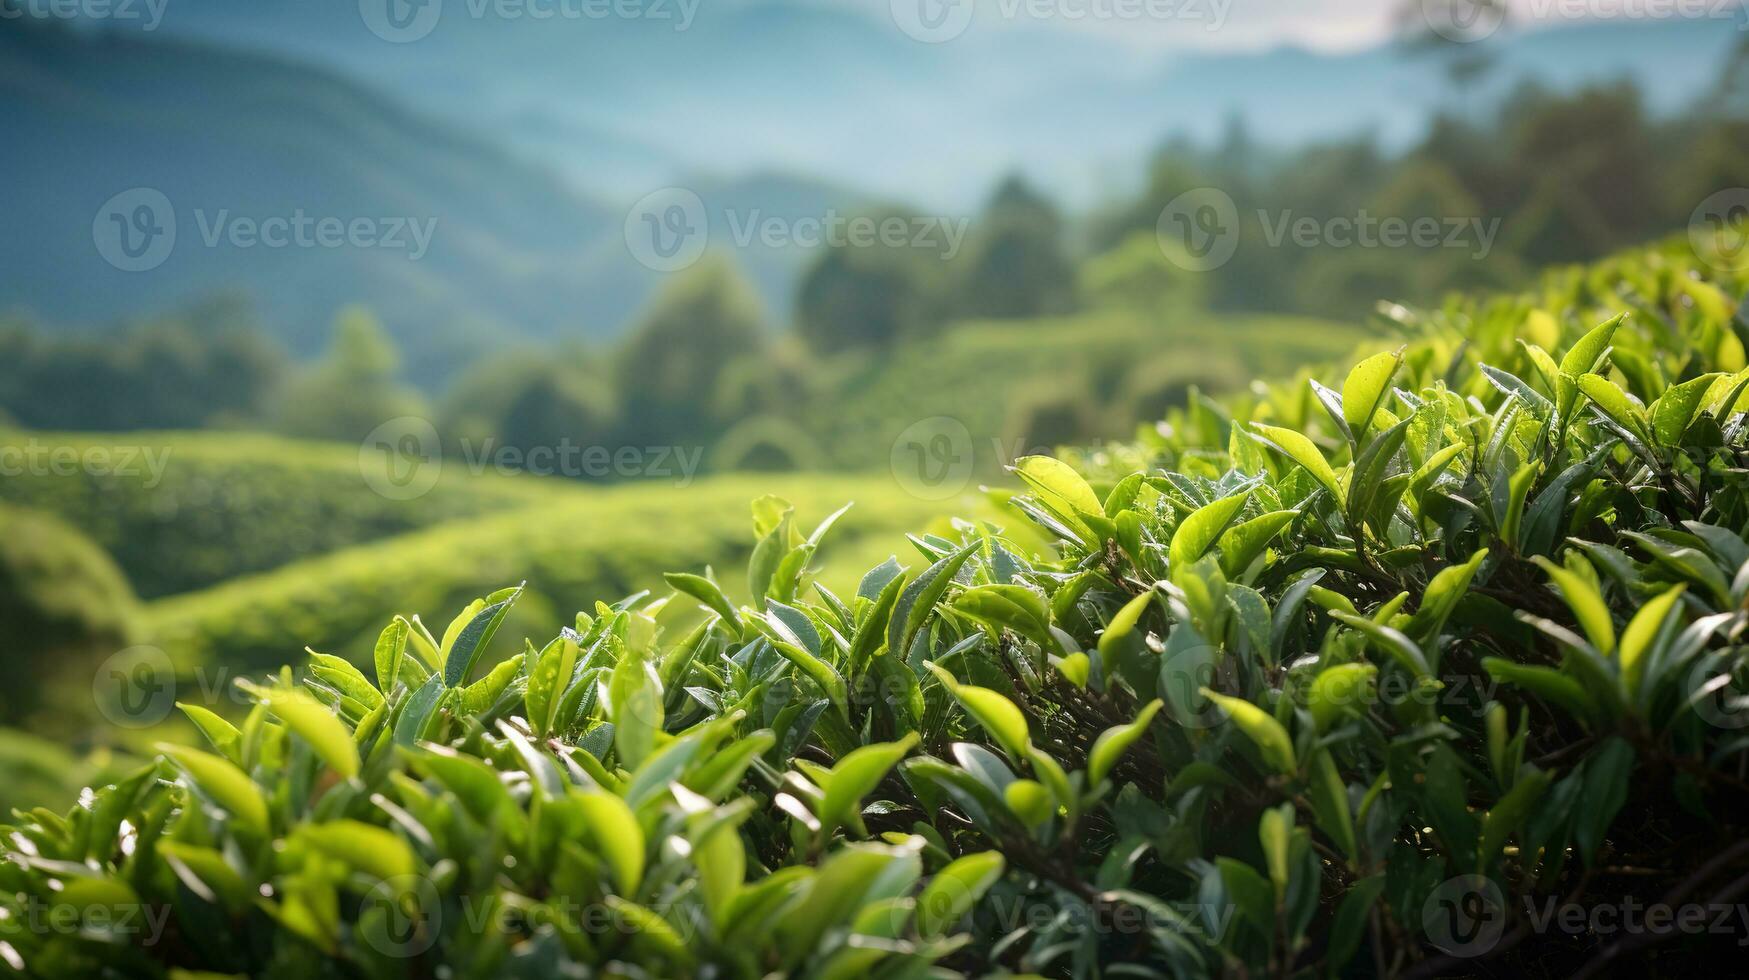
{"points": [[842, 92], [523, 177]]}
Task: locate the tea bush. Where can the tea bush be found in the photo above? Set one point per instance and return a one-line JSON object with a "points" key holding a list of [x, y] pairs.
{"points": [[184, 510], [571, 544], [1349, 680]]}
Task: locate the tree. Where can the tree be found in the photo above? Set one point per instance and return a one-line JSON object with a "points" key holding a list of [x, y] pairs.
{"points": [[353, 389], [1016, 267], [528, 399], [670, 364], [867, 295]]}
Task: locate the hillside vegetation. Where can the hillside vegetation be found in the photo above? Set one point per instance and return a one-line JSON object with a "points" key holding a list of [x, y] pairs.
{"points": [[185, 510], [1346, 678]]}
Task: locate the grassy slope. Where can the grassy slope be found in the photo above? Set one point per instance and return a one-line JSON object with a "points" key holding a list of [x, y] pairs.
{"points": [[983, 372], [227, 504], [570, 548]]}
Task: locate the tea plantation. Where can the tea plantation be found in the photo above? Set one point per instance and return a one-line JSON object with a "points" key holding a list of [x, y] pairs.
{"points": [[1347, 677]]}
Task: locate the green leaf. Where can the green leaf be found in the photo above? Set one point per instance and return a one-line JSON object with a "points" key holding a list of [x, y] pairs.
{"points": [[1365, 389], [222, 734], [1059, 486], [1274, 832], [1113, 742], [1330, 802], [1030, 802], [998, 715], [1120, 633], [872, 631], [856, 775], [618, 837], [954, 890], [315, 724], [1400, 648], [1242, 543], [547, 683], [391, 647], [1677, 407], [479, 697], [341, 676], [1624, 409], [918, 599], [1339, 691], [475, 784], [380, 853], [1508, 814], [1582, 357], [1441, 596], [1582, 596], [707, 592], [1302, 451], [464, 650], [635, 696], [1272, 740], [1198, 532], [1641, 631], [1249, 891], [419, 712], [223, 783], [1011, 607]]}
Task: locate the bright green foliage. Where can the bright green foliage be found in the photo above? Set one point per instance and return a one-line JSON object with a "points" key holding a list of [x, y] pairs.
{"points": [[1497, 633]]}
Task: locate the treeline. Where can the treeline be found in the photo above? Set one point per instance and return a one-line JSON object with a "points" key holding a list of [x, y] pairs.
{"points": [[1554, 177]]}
